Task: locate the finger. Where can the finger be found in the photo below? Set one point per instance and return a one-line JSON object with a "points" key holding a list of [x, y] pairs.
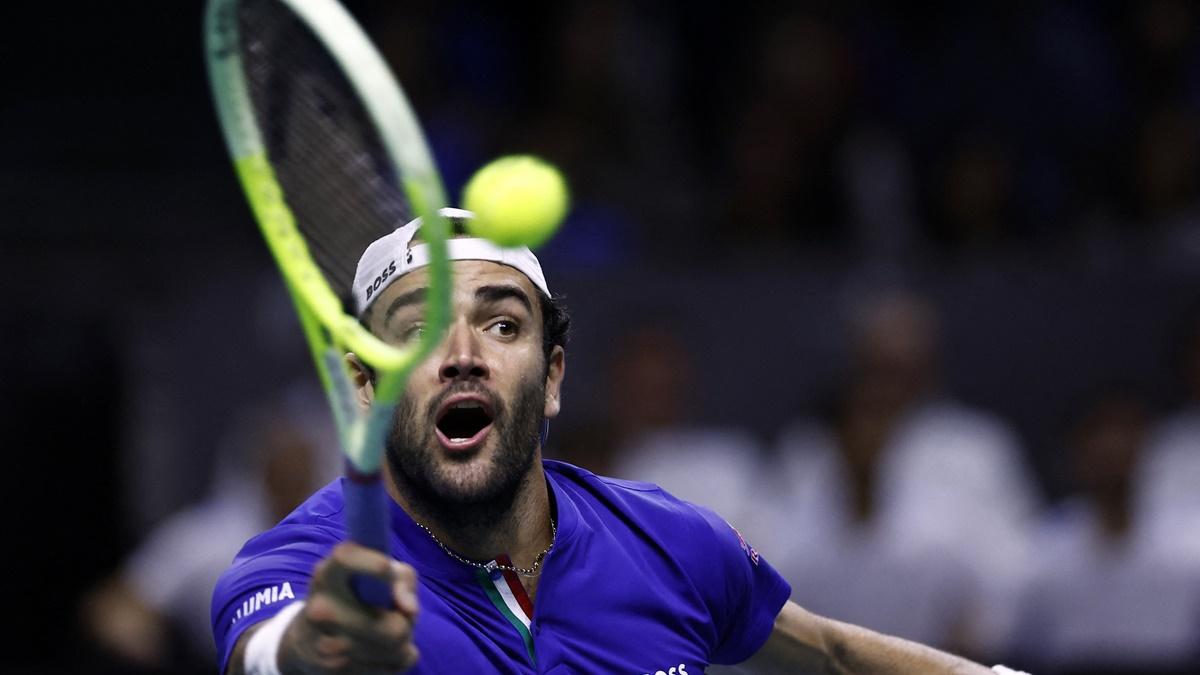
{"points": [[391, 631], [383, 632], [333, 614], [404, 588], [388, 666], [346, 560], [410, 655], [400, 657], [332, 647], [385, 639]]}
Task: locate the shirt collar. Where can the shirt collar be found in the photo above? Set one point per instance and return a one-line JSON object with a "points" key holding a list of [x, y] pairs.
{"points": [[415, 546]]}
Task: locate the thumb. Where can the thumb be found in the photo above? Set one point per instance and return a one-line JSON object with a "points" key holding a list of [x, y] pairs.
{"points": [[404, 587]]}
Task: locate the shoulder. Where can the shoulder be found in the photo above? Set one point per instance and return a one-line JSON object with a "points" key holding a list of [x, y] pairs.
{"points": [[323, 507], [273, 568], [688, 549], [293, 545], [631, 496], [618, 504]]}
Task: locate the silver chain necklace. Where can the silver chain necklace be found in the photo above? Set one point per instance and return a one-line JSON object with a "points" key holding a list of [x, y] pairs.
{"points": [[492, 565]]}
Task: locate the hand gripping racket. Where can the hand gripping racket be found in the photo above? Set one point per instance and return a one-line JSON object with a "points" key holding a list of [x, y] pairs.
{"points": [[331, 158]]}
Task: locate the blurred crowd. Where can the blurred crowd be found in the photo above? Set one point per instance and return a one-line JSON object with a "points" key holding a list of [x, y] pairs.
{"points": [[896, 506], [893, 134], [920, 158], [890, 503]]}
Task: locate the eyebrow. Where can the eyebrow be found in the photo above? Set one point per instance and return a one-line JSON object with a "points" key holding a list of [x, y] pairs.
{"points": [[489, 294], [413, 297], [494, 294]]}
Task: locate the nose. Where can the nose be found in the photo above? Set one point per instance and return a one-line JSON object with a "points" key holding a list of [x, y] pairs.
{"points": [[462, 359]]}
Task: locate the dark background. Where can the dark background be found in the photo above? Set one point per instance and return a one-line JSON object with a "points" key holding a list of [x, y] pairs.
{"points": [[745, 172]]}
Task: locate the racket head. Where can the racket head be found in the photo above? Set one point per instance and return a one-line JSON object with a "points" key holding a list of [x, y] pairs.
{"points": [[331, 158]]}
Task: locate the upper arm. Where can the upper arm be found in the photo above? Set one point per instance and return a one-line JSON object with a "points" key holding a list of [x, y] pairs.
{"points": [[257, 587], [740, 590]]}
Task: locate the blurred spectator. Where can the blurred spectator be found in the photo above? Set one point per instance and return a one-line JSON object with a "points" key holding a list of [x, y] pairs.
{"points": [[785, 187], [153, 613], [901, 482], [651, 434], [975, 199], [1164, 35], [877, 172], [1101, 594], [608, 113], [190, 376], [1167, 180], [844, 555], [1168, 480]]}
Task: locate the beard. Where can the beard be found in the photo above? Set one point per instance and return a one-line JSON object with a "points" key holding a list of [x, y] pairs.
{"points": [[469, 492]]}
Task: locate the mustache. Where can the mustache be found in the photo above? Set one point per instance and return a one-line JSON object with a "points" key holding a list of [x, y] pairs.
{"points": [[477, 388]]}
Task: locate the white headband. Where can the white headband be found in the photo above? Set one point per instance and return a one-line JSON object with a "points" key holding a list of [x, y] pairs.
{"points": [[390, 258]]}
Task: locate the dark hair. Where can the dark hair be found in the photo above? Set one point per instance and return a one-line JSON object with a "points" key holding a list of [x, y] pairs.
{"points": [[556, 324]]}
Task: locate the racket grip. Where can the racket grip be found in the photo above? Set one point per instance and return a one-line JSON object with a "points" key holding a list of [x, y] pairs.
{"points": [[366, 520]]}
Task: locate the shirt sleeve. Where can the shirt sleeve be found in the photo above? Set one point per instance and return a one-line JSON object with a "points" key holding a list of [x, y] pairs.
{"points": [[271, 572], [743, 592]]}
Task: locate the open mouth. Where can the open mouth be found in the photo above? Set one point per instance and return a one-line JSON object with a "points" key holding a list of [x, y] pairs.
{"points": [[464, 422]]}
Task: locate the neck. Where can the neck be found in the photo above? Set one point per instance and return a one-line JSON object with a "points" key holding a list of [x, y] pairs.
{"points": [[483, 532]]}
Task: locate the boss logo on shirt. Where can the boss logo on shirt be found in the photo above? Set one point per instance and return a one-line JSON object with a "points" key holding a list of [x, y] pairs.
{"points": [[673, 670]]}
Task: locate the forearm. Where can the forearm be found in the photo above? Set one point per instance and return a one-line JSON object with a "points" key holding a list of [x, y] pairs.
{"points": [[271, 646], [237, 658], [853, 650], [804, 642]]}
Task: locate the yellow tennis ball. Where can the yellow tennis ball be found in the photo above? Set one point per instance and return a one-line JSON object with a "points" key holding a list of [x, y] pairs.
{"points": [[518, 200]]}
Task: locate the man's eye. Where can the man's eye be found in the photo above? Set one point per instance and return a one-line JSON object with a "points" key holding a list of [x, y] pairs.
{"points": [[413, 333], [503, 328]]}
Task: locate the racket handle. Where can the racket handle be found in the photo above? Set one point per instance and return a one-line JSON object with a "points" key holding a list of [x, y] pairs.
{"points": [[366, 520]]}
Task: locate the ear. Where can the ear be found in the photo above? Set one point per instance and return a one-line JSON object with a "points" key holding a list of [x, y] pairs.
{"points": [[555, 371], [361, 375]]}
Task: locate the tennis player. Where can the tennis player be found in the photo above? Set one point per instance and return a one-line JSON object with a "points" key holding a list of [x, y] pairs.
{"points": [[500, 561]]}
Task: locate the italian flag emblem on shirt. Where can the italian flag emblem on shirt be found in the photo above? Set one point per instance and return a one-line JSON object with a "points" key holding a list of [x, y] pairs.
{"points": [[505, 591]]}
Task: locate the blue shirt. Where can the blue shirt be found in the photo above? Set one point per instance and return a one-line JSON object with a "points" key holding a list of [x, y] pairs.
{"points": [[637, 582]]}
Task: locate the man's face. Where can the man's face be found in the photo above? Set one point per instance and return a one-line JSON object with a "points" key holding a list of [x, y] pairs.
{"points": [[466, 430]]}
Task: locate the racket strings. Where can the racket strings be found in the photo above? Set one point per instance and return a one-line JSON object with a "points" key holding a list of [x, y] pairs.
{"points": [[332, 166]]}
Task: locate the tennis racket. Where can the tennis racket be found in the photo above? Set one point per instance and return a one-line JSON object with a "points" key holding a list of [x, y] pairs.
{"points": [[331, 158]]}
